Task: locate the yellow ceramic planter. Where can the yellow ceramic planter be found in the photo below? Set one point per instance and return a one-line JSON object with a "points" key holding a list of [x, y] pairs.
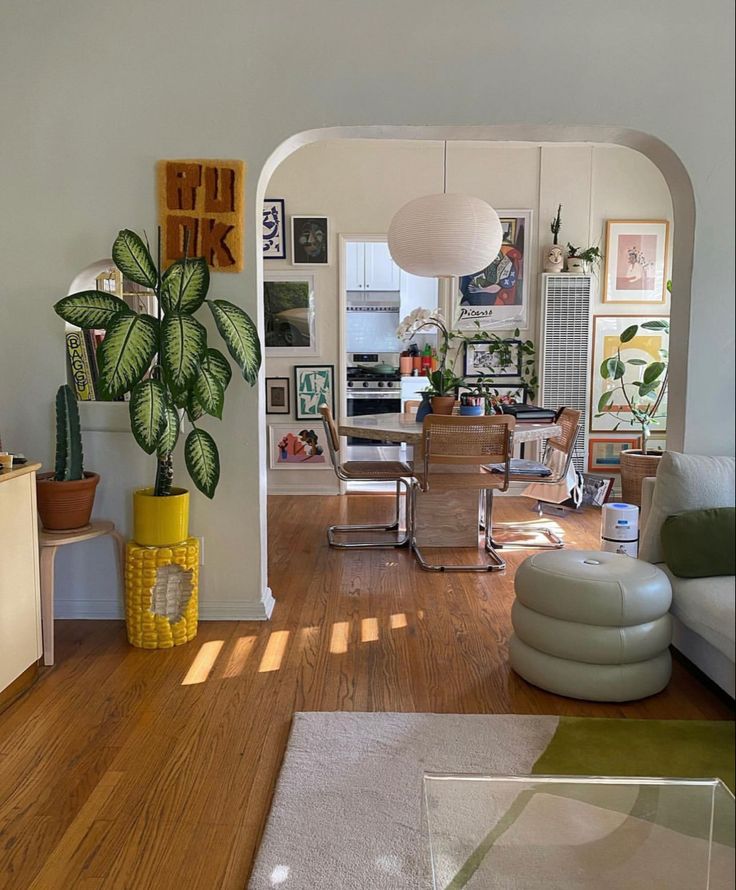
{"points": [[161, 594], [160, 522]]}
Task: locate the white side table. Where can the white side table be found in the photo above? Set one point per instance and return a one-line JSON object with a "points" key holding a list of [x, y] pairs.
{"points": [[49, 543]]}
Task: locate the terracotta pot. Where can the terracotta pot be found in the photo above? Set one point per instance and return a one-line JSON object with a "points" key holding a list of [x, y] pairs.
{"points": [[636, 466], [443, 404], [64, 506]]}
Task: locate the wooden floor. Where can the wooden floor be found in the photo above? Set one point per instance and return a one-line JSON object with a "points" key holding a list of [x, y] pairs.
{"points": [[131, 769]]}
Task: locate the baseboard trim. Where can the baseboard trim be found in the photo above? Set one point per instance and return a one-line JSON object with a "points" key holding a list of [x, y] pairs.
{"points": [[104, 610]]}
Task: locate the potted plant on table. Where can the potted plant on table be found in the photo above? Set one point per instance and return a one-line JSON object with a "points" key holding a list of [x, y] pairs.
{"points": [[66, 496], [642, 398], [170, 371], [443, 383], [581, 260]]}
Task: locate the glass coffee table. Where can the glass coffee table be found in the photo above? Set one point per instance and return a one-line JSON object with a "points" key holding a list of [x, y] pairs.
{"points": [[492, 832]]}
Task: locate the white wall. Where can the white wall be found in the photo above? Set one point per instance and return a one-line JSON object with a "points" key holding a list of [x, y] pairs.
{"points": [[359, 184], [91, 99]]}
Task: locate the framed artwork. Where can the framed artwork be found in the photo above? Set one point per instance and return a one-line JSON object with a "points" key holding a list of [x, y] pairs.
{"points": [[288, 309], [498, 296], [310, 241], [296, 446], [277, 395], [646, 346], [596, 489], [605, 454], [314, 386], [274, 231], [636, 254], [483, 360]]}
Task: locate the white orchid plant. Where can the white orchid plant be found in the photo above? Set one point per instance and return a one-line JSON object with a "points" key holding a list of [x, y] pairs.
{"points": [[442, 381]]}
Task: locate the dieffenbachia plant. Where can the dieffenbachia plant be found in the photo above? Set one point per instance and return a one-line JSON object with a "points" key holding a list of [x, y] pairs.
{"points": [[165, 363], [643, 395]]}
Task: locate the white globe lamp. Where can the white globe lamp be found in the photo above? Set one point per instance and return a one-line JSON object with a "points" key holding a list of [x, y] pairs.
{"points": [[440, 236]]}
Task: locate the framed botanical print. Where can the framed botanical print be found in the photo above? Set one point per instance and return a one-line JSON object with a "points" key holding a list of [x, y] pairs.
{"points": [[637, 253], [492, 358], [274, 229], [314, 386], [646, 347], [298, 446], [310, 237], [289, 314], [604, 454], [498, 296], [277, 395]]}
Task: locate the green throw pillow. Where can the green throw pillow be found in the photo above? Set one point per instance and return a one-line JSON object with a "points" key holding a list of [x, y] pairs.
{"points": [[700, 543]]}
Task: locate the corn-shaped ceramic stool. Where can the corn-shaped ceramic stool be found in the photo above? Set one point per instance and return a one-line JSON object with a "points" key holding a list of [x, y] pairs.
{"points": [[161, 586]]}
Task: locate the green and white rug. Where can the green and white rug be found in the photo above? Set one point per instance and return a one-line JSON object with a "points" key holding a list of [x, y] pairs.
{"points": [[347, 811]]}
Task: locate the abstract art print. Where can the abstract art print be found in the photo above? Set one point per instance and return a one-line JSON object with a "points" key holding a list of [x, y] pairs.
{"points": [[637, 253], [274, 231], [484, 359], [605, 454], [646, 347], [288, 309], [498, 296], [295, 446], [314, 386], [277, 395], [310, 241]]}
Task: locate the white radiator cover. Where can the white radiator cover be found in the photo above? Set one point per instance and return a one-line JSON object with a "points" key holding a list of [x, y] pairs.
{"points": [[564, 351]]}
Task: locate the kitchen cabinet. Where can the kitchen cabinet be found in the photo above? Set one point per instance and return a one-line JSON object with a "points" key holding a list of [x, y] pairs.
{"points": [[370, 267], [20, 598]]}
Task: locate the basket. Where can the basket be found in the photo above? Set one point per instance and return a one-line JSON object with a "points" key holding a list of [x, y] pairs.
{"points": [[636, 466]]}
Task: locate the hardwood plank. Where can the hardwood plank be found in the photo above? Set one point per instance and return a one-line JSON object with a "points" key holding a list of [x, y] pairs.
{"points": [[115, 772]]}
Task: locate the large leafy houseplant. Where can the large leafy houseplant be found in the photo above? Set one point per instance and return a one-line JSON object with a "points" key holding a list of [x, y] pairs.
{"points": [[644, 394], [165, 363]]}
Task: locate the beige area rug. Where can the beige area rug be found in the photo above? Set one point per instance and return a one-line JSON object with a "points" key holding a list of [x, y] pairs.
{"points": [[347, 811]]}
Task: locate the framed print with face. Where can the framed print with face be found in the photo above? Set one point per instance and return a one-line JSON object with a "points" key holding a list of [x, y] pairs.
{"points": [[498, 296], [274, 229], [310, 241], [288, 309], [636, 253], [314, 386], [298, 446], [277, 395], [605, 453], [491, 358], [646, 347]]}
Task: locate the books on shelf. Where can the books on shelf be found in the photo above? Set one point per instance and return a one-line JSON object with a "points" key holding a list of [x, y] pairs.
{"points": [[81, 353]]}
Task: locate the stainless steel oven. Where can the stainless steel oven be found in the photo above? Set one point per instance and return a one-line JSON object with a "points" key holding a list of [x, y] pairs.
{"points": [[361, 402]]}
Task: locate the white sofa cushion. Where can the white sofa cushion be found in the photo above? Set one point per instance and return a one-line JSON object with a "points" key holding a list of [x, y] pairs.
{"points": [[706, 606], [685, 482]]}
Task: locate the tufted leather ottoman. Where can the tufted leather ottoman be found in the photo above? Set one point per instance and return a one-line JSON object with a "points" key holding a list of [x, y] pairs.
{"points": [[592, 625]]}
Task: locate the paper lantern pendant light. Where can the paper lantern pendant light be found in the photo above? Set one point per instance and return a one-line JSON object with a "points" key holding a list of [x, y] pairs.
{"points": [[439, 236]]}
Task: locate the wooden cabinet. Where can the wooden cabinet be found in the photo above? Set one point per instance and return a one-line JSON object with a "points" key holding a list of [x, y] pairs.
{"points": [[370, 267], [20, 601]]}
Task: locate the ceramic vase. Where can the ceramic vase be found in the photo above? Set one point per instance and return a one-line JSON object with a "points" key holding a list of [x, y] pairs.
{"points": [[554, 259]]}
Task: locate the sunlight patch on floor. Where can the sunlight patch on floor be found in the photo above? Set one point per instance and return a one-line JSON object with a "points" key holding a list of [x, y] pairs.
{"points": [[339, 638], [369, 630], [236, 663], [397, 620], [203, 663], [279, 875], [274, 654]]}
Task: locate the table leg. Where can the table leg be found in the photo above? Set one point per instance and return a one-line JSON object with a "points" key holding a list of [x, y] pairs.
{"points": [[447, 519], [48, 555]]}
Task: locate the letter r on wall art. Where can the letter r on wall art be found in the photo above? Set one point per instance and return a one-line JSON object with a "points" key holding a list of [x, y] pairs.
{"points": [[200, 203]]}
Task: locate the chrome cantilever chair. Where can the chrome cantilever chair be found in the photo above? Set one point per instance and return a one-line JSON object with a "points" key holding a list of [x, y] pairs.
{"points": [[368, 471], [551, 470], [455, 450]]}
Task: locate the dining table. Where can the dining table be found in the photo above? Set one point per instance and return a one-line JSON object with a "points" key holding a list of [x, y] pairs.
{"points": [[447, 518]]}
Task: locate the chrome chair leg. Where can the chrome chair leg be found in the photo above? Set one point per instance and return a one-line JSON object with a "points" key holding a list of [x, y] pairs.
{"points": [[554, 542], [497, 563], [402, 541]]}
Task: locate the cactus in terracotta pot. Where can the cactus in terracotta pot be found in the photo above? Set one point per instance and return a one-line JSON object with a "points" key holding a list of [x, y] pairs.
{"points": [[69, 454]]}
